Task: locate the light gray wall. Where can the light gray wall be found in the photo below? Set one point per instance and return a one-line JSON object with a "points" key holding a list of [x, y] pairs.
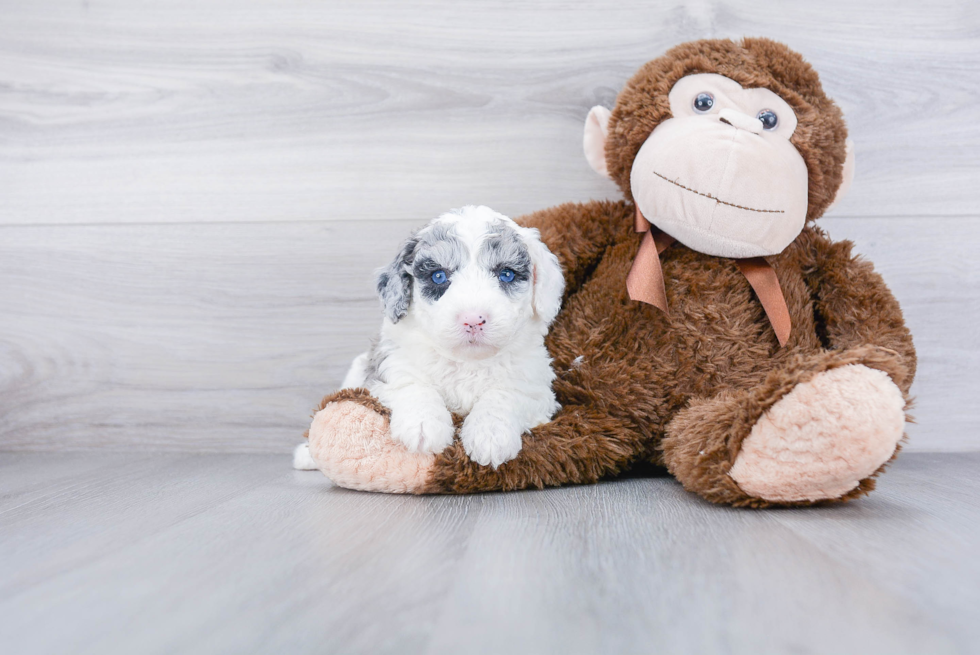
{"points": [[193, 195]]}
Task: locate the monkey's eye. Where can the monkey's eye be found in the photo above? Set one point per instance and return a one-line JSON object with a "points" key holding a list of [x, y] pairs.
{"points": [[768, 118], [704, 102]]}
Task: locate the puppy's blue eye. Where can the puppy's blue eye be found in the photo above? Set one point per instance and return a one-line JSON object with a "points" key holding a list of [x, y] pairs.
{"points": [[439, 277], [506, 275]]}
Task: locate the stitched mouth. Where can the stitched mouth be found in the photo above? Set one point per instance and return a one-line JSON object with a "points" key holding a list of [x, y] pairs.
{"points": [[719, 200]]}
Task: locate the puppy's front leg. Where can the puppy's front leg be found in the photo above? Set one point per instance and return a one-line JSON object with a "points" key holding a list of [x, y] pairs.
{"points": [[419, 418], [491, 434]]}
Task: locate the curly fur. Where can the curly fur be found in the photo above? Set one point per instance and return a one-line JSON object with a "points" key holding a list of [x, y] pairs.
{"points": [[472, 344], [715, 367], [683, 389]]}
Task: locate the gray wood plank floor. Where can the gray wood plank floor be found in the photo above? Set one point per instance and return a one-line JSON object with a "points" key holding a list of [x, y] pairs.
{"points": [[166, 553]]}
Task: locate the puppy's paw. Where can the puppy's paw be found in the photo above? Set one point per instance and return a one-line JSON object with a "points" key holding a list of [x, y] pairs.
{"points": [[302, 460], [490, 442], [427, 429]]}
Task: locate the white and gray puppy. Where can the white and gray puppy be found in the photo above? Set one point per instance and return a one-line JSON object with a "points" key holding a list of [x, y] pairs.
{"points": [[467, 303]]}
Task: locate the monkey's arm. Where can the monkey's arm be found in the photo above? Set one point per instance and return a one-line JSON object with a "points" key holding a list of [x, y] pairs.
{"points": [[350, 442], [579, 446], [854, 306], [578, 234]]}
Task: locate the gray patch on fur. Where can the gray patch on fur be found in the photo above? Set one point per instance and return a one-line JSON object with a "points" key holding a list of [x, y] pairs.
{"points": [[502, 249], [439, 249], [376, 357], [395, 282]]}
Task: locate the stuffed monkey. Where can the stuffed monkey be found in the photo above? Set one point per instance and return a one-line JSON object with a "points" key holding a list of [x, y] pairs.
{"points": [[709, 325]]}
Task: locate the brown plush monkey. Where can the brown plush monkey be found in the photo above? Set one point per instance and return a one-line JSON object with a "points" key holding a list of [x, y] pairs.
{"points": [[708, 325]]}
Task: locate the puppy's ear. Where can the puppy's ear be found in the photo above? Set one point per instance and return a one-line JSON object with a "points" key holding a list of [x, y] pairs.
{"points": [[549, 281], [395, 282]]}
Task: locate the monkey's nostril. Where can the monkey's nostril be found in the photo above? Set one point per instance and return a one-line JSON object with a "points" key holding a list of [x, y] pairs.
{"points": [[740, 121]]}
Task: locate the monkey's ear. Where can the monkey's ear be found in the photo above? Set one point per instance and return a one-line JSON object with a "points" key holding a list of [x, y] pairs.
{"points": [[594, 140], [845, 183]]}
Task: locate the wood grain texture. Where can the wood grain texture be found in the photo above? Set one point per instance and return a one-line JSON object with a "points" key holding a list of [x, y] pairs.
{"points": [[180, 336], [254, 110], [222, 337], [192, 199], [236, 553]]}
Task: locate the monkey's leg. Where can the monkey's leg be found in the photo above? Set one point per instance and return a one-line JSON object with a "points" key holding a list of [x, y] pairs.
{"points": [[818, 430], [349, 442]]}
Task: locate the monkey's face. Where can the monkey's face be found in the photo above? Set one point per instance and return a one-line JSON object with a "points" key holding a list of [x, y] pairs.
{"points": [[721, 167], [721, 175]]}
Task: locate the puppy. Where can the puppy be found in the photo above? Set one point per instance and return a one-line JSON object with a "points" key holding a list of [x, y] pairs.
{"points": [[467, 304]]}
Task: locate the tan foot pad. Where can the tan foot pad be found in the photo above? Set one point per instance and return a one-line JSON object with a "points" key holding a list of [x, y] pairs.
{"points": [[823, 437], [350, 445]]}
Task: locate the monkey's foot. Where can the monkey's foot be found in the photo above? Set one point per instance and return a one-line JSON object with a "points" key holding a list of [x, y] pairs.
{"points": [[350, 443], [823, 438]]}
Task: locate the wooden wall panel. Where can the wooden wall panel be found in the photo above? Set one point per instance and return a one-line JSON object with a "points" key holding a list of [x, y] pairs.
{"points": [[180, 336], [254, 110], [193, 195], [224, 336]]}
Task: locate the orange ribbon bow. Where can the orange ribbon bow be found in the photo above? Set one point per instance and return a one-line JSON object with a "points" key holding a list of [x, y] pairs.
{"points": [[645, 281]]}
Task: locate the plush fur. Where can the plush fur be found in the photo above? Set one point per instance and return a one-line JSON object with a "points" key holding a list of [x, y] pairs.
{"points": [[693, 388]]}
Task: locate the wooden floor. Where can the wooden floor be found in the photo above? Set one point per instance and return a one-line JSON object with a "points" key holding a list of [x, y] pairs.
{"points": [[188, 553]]}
